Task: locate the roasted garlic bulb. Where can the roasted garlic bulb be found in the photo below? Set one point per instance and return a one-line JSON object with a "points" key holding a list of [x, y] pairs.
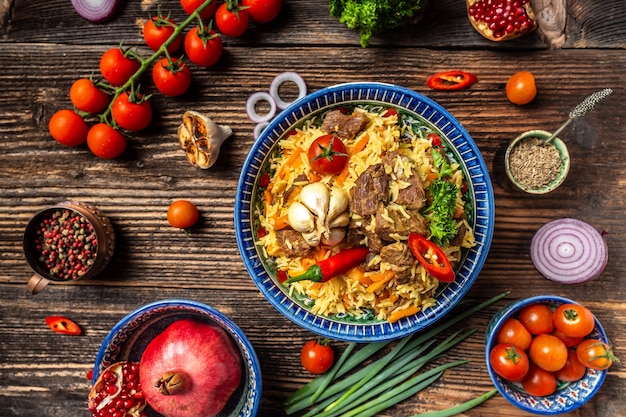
{"points": [[201, 138]]}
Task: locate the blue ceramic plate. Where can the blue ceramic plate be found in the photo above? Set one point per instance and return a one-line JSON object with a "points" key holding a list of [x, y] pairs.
{"points": [[130, 336], [569, 396], [422, 111]]}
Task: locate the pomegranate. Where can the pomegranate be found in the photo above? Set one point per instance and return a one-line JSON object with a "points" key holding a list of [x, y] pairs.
{"points": [[117, 392], [190, 370], [500, 20]]}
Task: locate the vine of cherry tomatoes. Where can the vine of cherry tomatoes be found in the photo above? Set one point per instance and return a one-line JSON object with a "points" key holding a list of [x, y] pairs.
{"points": [[116, 103]]}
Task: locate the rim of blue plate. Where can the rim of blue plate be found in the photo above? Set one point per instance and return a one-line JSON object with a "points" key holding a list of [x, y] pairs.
{"points": [[250, 406], [475, 171], [559, 402]]}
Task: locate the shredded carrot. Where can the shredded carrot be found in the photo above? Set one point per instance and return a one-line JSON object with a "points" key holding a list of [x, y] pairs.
{"points": [[398, 314], [458, 212], [377, 285], [358, 147], [431, 176], [293, 195], [358, 274], [281, 222], [290, 161], [314, 177], [321, 254], [316, 285], [267, 197]]}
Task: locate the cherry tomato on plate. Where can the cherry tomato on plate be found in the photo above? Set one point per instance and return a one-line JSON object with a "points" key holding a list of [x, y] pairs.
{"points": [[87, 97], [521, 88], [508, 361], [171, 76], [262, 11], [548, 352], [68, 128], [231, 23], [182, 214], [327, 155], [514, 332], [159, 29], [537, 318], [573, 370], [539, 382], [595, 354], [190, 6], [573, 320], [63, 325], [118, 66], [317, 356], [131, 114], [203, 46], [105, 142]]}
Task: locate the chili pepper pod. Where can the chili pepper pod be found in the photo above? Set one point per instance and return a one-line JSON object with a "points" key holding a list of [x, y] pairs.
{"points": [[335, 265], [451, 80], [432, 257]]}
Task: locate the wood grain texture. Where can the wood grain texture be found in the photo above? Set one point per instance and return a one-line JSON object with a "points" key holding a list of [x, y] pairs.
{"points": [[45, 46]]}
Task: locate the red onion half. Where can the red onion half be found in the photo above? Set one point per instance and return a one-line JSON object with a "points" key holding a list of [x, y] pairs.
{"points": [[569, 251], [96, 10]]}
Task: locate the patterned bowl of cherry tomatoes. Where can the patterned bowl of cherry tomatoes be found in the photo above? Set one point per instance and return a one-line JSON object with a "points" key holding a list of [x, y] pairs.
{"points": [[547, 354]]}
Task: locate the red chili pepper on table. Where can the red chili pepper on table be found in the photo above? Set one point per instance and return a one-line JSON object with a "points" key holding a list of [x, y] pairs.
{"points": [[63, 325], [431, 257], [451, 80], [335, 265]]}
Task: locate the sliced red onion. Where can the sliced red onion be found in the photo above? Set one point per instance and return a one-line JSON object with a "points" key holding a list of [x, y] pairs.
{"points": [[286, 77], [251, 107], [259, 128], [569, 251], [96, 10]]}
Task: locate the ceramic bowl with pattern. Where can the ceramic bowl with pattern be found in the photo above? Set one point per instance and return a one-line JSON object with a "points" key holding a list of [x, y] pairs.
{"points": [[420, 112], [568, 396], [130, 336]]}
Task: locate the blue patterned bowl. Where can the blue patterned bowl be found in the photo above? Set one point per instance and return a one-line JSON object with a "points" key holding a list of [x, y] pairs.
{"points": [[420, 109], [568, 396], [130, 336]]}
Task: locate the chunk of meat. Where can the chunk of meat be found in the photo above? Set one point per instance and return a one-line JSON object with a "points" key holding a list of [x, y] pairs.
{"points": [[292, 243], [357, 232], [393, 221], [458, 239], [399, 256], [412, 194], [346, 126], [370, 189]]}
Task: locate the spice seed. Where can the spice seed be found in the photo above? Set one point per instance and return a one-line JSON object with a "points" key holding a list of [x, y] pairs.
{"points": [[535, 164]]}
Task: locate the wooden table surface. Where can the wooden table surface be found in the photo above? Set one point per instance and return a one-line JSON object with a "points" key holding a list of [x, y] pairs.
{"points": [[45, 46]]}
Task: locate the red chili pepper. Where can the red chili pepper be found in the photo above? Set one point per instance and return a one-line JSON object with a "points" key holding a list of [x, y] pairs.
{"points": [[63, 325], [329, 268], [431, 257], [451, 80]]}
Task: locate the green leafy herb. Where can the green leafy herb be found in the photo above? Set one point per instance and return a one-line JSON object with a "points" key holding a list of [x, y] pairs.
{"points": [[440, 214], [374, 16], [441, 164]]}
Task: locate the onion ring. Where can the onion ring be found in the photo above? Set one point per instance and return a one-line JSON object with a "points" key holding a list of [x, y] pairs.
{"points": [[282, 78], [251, 107], [96, 10], [259, 128], [569, 251]]}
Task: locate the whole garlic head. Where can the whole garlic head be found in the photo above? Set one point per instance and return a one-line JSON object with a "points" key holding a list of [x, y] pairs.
{"points": [[201, 138]]}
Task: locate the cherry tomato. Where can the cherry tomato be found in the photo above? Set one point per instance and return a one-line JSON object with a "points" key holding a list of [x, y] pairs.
{"points": [[509, 362], [327, 155], [171, 78], [317, 356], [68, 128], [539, 382], [157, 30], [231, 23], [203, 46], [131, 115], [573, 320], [521, 88], [514, 332], [63, 325], [595, 354], [116, 67], [568, 340], [435, 139], [182, 214], [537, 318], [389, 112], [87, 97], [262, 11], [105, 142], [548, 352], [190, 6], [573, 369]]}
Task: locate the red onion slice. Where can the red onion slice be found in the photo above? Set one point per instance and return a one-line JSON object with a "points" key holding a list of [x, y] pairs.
{"points": [[96, 10], [286, 77], [569, 251], [251, 107]]}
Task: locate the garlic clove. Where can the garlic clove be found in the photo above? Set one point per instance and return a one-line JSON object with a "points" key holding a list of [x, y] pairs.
{"points": [[333, 236], [342, 220], [313, 238], [316, 197], [338, 203], [300, 218], [201, 138]]}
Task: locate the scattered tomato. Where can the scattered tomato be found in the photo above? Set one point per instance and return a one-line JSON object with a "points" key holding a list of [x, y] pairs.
{"points": [[68, 128], [573, 320], [509, 362], [118, 66], [159, 29], [203, 46], [171, 76], [105, 142], [190, 6], [87, 97], [514, 332], [537, 318], [521, 88], [182, 214], [63, 325], [548, 352], [262, 11], [327, 155], [573, 369], [317, 356], [539, 382], [231, 23], [595, 354], [131, 114]]}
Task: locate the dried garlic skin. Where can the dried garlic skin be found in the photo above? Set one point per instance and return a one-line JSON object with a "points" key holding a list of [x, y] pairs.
{"points": [[201, 138]]}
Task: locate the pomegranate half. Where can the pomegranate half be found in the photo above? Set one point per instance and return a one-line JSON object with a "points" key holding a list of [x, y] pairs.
{"points": [[117, 392], [501, 20], [190, 370]]}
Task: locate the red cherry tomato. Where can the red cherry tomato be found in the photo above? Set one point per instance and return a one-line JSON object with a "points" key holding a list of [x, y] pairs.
{"points": [[262, 11], [68, 128], [231, 23], [63, 325], [172, 78], [159, 29], [568, 340], [573, 370], [131, 115], [190, 6], [509, 362], [539, 382], [548, 352], [537, 318], [117, 67], [521, 88], [182, 214], [595, 354], [203, 46], [327, 155], [317, 356], [514, 332], [105, 142], [87, 97], [573, 320]]}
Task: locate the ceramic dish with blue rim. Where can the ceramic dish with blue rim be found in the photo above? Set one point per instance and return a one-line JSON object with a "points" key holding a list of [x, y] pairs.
{"points": [[568, 396], [415, 111], [130, 336]]}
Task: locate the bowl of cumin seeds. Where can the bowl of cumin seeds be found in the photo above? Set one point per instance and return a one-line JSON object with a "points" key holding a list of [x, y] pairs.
{"points": [[534, 165]]}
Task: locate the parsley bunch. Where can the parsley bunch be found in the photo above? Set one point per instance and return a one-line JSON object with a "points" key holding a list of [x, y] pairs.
{"points": [[440, 213]]}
